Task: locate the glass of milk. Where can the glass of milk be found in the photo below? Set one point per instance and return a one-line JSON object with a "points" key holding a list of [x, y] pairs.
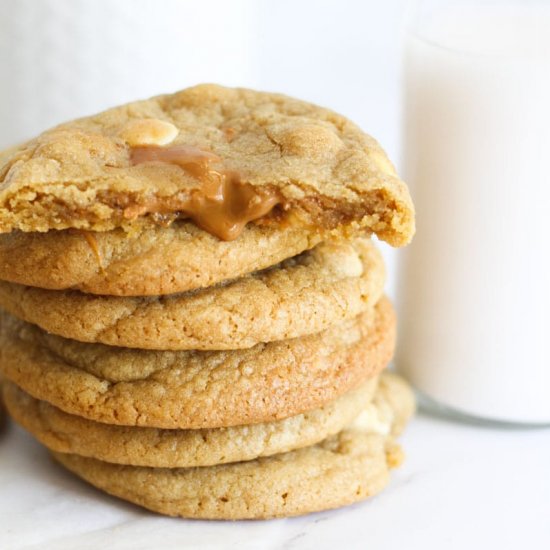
{"points": [[475, 284]]}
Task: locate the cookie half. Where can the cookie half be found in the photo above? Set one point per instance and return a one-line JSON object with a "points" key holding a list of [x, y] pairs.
{"points": [[190, 390], [146, 261], [303, 295], [146, 160]]}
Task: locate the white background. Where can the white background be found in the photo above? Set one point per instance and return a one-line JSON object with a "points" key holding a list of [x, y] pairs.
{"points": [[462, 486]]}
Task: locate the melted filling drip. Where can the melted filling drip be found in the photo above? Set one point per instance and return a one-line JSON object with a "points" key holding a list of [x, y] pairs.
{"points": [[223, 205]]}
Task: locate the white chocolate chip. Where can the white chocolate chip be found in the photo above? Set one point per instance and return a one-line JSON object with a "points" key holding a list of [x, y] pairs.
{"points": [[351, 266], [148, 131], [342, 260], [374, 419]]}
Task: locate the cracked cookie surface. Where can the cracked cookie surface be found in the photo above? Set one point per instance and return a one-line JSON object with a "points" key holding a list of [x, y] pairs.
{"points": [[302, 295], [382, 408], [345, 468], [152, 447], [146, 261], [191, 389]]}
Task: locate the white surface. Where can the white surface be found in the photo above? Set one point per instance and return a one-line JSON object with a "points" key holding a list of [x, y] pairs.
{"points": [[461, 487], [475, 296]]}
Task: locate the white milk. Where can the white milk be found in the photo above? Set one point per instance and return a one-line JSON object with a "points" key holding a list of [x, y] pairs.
{"points": [[474, 294]]}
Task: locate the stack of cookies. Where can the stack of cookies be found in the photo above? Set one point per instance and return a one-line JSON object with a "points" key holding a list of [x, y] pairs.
{"points": [[193, 310]]}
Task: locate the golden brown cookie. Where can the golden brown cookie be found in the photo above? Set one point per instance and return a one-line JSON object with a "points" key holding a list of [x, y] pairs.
{"points": [[304, 163], [303, 295], [345, 468], [190, 390], [146, 261], [67, 433]]}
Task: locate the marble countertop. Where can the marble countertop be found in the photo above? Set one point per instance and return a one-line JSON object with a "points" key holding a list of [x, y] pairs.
{"points": [[461, 487]]}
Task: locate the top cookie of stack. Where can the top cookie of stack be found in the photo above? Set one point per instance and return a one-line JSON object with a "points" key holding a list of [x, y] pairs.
{"points": [[280, 174]]}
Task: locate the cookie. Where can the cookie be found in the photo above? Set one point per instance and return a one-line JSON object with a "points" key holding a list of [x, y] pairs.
{"points": [[345, 468], [303, 295], [146, 261], [190, 390], [72, 434], [221, 157]]}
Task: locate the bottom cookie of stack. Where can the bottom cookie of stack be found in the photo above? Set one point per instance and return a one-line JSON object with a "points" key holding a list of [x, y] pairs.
{"points": [[349, 454]]}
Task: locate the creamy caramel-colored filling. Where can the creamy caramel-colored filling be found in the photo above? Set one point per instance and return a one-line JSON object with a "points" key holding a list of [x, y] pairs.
{"points": [[222, 206]]}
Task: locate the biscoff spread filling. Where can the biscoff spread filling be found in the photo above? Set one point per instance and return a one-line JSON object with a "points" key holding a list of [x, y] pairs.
{"points": [[222, 206]]}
